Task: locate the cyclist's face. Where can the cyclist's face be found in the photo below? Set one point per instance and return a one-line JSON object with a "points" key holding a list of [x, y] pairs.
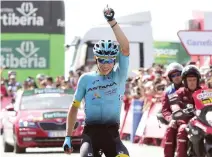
{"points": [[105, 65]]}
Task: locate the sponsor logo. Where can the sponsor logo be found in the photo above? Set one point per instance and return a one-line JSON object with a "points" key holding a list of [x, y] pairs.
{"points": [[25, 15], [25, 54], [50, 115], [101, 87], [110, 92], [204, 95], [197, 42], [166, 51], [121, 97], [170, 96], [60, 23], [49, 90], [96, 96], [95, 81], [27, 133]]}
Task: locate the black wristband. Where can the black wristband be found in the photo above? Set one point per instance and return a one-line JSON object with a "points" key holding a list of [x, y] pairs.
{"points": [[114, 25]]}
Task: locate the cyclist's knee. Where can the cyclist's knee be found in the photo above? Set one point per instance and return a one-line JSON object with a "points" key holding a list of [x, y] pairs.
{"points": [[122, 155], [86, 150]]}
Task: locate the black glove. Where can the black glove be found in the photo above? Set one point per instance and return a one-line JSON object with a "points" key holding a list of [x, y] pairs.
{"points": [[109, 13]]}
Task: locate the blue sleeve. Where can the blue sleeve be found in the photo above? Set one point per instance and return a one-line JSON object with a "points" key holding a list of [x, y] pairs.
{"points": [[81, 89], [123, 66]]}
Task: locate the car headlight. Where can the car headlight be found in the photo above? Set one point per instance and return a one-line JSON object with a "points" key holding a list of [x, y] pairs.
{"points": [[208, 117], [27, 124]]}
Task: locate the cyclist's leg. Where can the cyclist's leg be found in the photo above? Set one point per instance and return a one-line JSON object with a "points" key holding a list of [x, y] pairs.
{"points": [[121, 149], [86, 149], [116, 149], [113, 145]]}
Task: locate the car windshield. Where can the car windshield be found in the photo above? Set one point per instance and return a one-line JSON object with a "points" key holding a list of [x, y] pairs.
{"points": [[46, 101]]}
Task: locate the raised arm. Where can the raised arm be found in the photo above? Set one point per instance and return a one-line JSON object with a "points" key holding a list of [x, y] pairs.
{"points": [[120, 36]]}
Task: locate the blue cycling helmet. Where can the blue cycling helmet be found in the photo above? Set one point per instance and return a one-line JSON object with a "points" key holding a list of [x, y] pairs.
{"points": [[105, 48]]}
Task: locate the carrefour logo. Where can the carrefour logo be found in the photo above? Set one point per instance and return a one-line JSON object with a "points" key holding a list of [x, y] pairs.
{"points": [[204, 95], [25, 54], [25, 16]]}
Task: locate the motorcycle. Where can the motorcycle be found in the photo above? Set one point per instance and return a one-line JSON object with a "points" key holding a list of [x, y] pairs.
{"points": [[199, 128]]}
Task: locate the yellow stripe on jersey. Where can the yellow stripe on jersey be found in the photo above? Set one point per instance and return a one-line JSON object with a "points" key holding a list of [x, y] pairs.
{"points": [[76, 103], [122, 155]]}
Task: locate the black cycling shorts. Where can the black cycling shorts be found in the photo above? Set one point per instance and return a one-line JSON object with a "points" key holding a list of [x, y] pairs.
{"points": [[102, 138]]}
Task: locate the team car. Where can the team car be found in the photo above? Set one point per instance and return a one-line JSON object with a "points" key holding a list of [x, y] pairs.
{"points": [[37, 118]]}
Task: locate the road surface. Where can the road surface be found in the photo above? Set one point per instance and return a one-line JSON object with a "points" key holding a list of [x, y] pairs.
{"points": [[134, 149]]}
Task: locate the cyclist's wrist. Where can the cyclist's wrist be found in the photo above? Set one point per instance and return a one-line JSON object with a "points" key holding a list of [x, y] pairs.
{"points": [[69, 131], [112, 22], [68, 138], [68, 135]]}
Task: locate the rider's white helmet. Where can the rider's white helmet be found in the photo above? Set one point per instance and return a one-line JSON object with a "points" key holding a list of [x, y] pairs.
{"points": [[173, 67]]}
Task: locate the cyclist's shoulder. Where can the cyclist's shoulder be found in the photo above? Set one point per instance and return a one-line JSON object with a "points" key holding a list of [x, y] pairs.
{"points": [[88, 75]]}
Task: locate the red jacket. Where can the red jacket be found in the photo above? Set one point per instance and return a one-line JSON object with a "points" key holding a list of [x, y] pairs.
{"points": [[182, 97], [166, 110]]}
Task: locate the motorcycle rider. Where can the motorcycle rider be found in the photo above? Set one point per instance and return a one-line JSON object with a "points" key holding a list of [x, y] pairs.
{"points": [[178, 100], [173, 72]]}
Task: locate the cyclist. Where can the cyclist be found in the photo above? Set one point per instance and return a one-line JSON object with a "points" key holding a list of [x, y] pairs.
{"points": [[102, 91], [191, 79]]}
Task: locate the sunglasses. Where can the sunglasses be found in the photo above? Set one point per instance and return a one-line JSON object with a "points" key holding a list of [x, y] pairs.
{"points": [[106, 61], [160, 88], [175, 75]]}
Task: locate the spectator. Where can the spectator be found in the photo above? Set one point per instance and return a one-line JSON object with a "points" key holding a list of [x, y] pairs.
{"points": [[13, 85], [71, 74], [25, 85], [209, 83], [43, 84], [57, 82], [64, 85], [40, 78], [31, 83], [11, 72], [49, 82]]}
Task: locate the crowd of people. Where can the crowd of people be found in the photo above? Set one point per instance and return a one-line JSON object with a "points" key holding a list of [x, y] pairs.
{"points": [[9, 84], [148, 86], [148, 83]]}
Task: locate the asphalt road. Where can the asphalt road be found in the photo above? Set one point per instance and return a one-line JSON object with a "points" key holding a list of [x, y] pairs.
{"points": [[134, 149]]}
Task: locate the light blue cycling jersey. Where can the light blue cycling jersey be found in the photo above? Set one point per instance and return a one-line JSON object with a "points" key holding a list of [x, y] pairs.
{"points": [[103, 94]]}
